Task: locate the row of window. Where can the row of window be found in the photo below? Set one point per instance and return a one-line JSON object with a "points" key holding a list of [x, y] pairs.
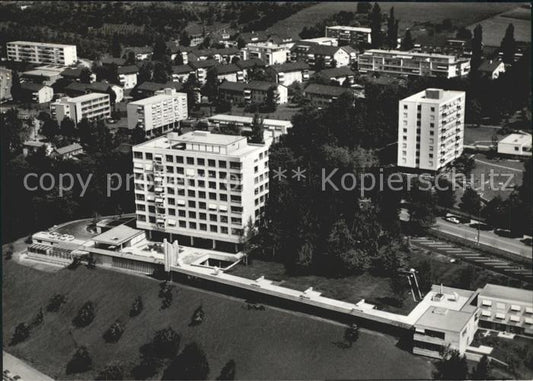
{"points": [[197, 226]]}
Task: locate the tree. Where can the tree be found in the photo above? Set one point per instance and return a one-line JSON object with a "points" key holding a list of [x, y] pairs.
{"points": [[80, 362], [320, 63], [482, 370], [477, 49], [191, 88], [496, 213], [271, 101], [55, 302], [16, 89], [85, 315], [145, 73], [392, 30], [375, 25], [50, 128], [160, 73], [508, 45], [191, 364], [465, 164], [116, 47], [407, 41], [85, 75], [165, 293], [161, 51], [130, 58], [445, 193], [22, 332], [452, 366], [351, 334], [471, 202], [136, 307], [185, 39], [257, 130], [166, 343], [228, 372], [363, 7], [241, 43], [112, 371], [463, 34], [68, 127], [421, 208], [210, 88], [114, 332], [178, 60]]}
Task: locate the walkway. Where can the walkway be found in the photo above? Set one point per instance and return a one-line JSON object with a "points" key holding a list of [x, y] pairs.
{"points": [[18, 367]]}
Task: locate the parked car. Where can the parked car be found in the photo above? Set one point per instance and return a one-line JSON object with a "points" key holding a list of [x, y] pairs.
{"points": [[527, 241], [453, 220]]}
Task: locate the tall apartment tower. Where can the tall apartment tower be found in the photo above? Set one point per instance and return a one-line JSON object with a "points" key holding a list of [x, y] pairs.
{"points": [[158, 114], [42, 53], [200, 188], [431, 129]]}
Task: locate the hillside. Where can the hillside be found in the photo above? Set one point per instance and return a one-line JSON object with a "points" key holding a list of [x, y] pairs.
{"points": [[264, 344]]}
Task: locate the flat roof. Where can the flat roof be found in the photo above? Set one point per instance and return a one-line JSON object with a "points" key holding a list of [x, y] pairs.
{"points": [[118, 235], [352, 28], [408, 53], [41, 43], [153, 99], [433, 96], [444, 319], [516, 139], [249, 119], [87, 97], [42, 72], [509, 293]]}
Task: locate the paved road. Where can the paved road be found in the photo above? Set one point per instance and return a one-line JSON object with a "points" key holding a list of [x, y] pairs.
{"points": [[18, 367], [481, 259], [489, 238]]}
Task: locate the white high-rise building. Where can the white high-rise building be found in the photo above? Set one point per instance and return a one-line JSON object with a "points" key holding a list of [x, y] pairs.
{"points": [[42, 53], [158, 114], [91, 106], [200, 188], [431, 129]]}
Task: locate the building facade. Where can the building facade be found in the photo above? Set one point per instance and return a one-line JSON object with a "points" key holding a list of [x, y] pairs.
{"points": [[350, 35], [158, 114], [506, 309], [246, 122], [127, 75], [397, 62], [430, 129], [288, 73], [42, 53], [268, 52], [515, 145], [200, 187], [252, 92], [36, 93], [91, 106], [6, 80]]}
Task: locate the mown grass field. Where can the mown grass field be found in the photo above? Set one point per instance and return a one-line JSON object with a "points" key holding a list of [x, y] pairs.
{"points": [[269, 344], [461, 14]]}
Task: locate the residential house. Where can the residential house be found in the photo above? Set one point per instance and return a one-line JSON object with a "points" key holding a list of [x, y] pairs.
{"points": [[328, 41], [141, 52], [74, 74], [288, 73], [515, 145], [323, 56], [229, 72], [34, 146], [109, 88], [323, 95], [338, 74], [46, 75], [67, 152], [491, 69], [252, 92], [269, 52], [180, 73], [201, 68], [127, 76], [36, 93], [350, 35], [149, 89], [248, 65]]}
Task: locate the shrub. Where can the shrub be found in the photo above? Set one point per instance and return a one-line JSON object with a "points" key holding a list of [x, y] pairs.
{"points": [[197, 316], [351, 334], [166, 343], [80, 362], [149, 363], [228, 372], [165, 293], [191, 364], [114, 333], [55, 302], [85, 315], [9, 253], [74, 264], [112, 371], [37, 319], [136, 307], [22, 332]]}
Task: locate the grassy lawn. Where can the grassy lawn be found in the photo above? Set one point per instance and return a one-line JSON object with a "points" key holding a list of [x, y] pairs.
{"points": [[270, 344], [501, 170], [494, 27], [461, 14], [514, 352], [481, 135]]}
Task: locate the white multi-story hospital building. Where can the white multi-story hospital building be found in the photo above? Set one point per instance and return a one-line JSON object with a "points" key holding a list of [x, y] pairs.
{"points": [[200, 188]]}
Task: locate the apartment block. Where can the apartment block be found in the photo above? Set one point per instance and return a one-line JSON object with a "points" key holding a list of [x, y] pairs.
{"points": [[6, 80], [246, 123], [91, 106], [431, 129], [42, 53], [350, 35], [252, 92], [447, 318], [268, 52], [506, 309], [288, 73], [158, 114], [396, 62], [127, 76], [200, 188]]}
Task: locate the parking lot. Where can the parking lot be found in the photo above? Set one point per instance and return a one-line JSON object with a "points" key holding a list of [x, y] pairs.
{"points": [[456, 252]]}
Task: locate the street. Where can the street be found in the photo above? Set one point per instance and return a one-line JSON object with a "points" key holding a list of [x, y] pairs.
{"points": [[18, 367]]}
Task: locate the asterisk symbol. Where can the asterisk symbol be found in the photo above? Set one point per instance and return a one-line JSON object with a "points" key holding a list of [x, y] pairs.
{"points": [[279, 174], [298, 174]]}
